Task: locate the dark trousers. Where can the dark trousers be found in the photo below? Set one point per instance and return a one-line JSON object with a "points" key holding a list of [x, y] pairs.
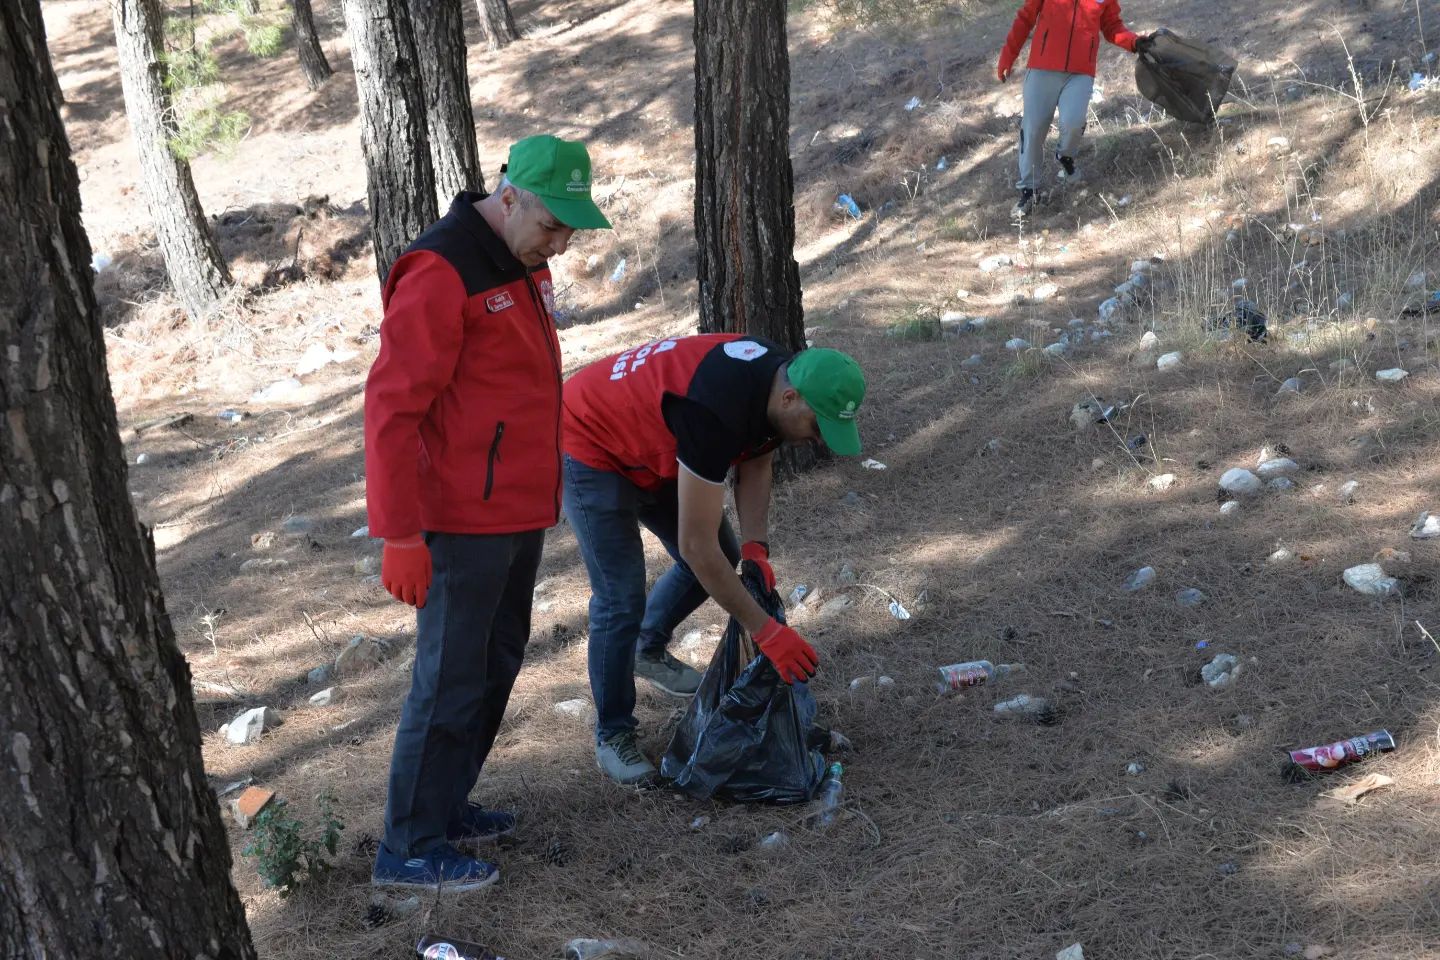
{"points": [[606, 512], [470, 642]]}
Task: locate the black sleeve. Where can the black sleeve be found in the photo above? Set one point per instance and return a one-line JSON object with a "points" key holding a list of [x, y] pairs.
{"points": [[703, 444]]}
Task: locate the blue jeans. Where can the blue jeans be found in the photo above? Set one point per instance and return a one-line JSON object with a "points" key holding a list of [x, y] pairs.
{"points": [[469, 644], [606, 512]]}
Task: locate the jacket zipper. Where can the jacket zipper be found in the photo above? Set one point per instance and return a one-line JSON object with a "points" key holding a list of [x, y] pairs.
{"points": [[1044, 38], [494, 456], [540, 315], [1074, 11]]}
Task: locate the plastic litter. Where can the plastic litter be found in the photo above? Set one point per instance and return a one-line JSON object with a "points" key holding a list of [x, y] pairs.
{"points": [[746, 735], [1185, 78], [1310, 760], [1221, 672], [432, 947], [99, 261], [846, 204], [1139, 580], [898, 611], [798, 595], [584, 949], [832, 789], [958, 676], [870, 464], [1026, 706], [942, 164], [912, 103]]}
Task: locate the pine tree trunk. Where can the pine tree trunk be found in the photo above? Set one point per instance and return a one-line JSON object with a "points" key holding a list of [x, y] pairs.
{"points": [[393, 133], [193, 261], [110, 840], [307, 43], [496, 23], [744, 187], [440, 43]]}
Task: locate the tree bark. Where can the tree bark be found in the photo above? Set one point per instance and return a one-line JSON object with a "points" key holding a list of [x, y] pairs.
{"points": [[496, 23], [307, 43], [393, 132], [110, 840], [440, 44], [744, 186], [192, 259]]}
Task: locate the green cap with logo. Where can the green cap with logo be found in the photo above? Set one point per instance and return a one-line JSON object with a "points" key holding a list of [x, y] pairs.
{"points": [[558, 172], [833, 386]]}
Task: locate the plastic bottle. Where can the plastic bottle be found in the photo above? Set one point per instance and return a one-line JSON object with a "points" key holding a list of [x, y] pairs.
{"points": [[1024, 706], [958, 676], [583, 949], [432, 947], [832, 788]]}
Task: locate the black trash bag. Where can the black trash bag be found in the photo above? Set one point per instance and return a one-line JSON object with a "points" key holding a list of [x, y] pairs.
{"points": [[1186, 78], [1245, 317], [747, 736]]}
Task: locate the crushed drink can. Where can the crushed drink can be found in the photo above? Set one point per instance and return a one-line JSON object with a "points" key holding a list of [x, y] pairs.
{"points": [[432, 947], [1332, 755], [958, 676]]}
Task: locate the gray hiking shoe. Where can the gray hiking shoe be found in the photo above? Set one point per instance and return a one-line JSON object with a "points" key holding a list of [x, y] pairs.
{"points": [[667, 673], [620, 759]]}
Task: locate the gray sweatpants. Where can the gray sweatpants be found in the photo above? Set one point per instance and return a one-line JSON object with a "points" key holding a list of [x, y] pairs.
{"points": [[1044, 91]]}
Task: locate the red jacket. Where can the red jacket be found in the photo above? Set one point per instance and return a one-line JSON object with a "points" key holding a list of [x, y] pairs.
{"points": [[1067, 34], [614, 408], [462, 406]]}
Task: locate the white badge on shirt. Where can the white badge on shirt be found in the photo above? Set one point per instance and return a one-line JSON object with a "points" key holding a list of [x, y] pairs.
{"points": [[745, 349]]}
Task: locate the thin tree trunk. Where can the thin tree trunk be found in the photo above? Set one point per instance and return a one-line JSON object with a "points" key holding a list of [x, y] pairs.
{"points": [[307, 43], [197, 272], [110, 840], [393, 133], [744, 186], [440, 44], [496, 23]]}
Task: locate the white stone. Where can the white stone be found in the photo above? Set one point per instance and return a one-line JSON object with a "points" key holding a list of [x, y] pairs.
{"points": [[1141, 266], [1277, 467], [1056, 349], [1426, 526], [1169, 361], [1393, 375], [1190, 597], [1230, 508], [248, 727], [994, 262], [1371, 580], [360, 533], [577, 709], [865, 681], [1282, 555], [264, 563], [1279, 143], [972, 361], [1291, 385], [1134, 768], [1043, 292], [1149, 341], [1017, 344], [1416, 280], [1241, 481], [1347, 491], [1280, 484], [327, 696], [1108, 309], [1072, 952], [835, 606], [953, 318], [1163, 482], [366, 566]]}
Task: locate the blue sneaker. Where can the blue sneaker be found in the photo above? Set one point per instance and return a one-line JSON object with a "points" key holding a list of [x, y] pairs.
{"points": [[444, 867], [478, 825]]}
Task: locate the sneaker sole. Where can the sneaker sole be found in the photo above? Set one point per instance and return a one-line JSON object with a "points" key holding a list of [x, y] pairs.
{"points": [[669, 691], [484, 839], [452, 886], [645, 779]]}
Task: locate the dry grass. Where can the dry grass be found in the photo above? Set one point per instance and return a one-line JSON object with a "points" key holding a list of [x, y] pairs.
{"points": [[963, 837]]}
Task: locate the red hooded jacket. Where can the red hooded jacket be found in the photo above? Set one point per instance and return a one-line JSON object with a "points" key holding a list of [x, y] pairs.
{"points": [[462, 406], [1066, 34]]}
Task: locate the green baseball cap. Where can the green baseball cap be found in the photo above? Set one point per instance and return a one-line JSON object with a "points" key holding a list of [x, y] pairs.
{"points": [[558, 172], [833, 386]]}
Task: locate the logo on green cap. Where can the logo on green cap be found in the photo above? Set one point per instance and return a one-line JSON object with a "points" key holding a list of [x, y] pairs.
{"points": [[833, 385], [540, 164]]}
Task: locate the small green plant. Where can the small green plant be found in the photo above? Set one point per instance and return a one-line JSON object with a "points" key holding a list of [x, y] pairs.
{"points": [[285, 857], [263, 38], [918, 323]]}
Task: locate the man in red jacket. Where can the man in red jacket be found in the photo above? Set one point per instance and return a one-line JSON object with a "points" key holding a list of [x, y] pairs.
{"points": [[462, 476], [1063, 50], [650, 436]]}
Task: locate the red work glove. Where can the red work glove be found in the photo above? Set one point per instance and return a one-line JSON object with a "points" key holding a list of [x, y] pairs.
{"points": [[405, 569], [759, 554], [1003, 70], [794, 659]]}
